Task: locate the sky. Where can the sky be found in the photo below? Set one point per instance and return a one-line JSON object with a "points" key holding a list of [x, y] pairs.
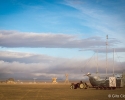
{"points": [[48, 38]]}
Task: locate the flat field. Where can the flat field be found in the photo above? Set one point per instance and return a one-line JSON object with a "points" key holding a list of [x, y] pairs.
{"points": [[56, 92]]}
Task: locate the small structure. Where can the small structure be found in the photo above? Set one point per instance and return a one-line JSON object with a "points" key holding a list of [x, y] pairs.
{"points": [[11, 81], [67, 79], [54, 80]]}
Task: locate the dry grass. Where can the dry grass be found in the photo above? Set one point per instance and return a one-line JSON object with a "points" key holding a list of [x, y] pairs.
{"points": [[54, 92]]}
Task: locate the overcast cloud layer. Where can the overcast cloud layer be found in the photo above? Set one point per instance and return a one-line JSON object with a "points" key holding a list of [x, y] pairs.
{"points": [[27, 66]]}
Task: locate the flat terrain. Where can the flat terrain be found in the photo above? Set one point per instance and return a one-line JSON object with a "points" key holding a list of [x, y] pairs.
{"points": [[56, 92]]}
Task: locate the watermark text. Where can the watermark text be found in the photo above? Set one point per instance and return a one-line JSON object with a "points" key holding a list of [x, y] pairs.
{"points": [[116, 96]]}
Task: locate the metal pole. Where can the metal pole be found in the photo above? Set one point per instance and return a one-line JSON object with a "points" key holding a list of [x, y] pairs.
{"points": [[106, 54], [113, 61], [97, 62]]}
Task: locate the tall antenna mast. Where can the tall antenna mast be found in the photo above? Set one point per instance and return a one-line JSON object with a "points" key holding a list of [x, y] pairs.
{"points": [[113, 61], [97, 64], [106, 53]]}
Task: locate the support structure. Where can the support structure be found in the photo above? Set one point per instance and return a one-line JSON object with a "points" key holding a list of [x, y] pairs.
{"points": [[54, 80], [67, 79]]}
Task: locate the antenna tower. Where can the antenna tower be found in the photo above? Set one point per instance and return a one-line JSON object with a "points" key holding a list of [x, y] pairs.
{"points": [[113, 61], [67, 79], [97, 64]]}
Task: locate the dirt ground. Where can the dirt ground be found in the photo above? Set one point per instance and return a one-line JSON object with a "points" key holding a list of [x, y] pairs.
{"points": [[56, 92]]}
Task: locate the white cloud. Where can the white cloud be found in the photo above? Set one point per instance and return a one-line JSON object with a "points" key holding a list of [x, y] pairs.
{"points": [[48, 40]]}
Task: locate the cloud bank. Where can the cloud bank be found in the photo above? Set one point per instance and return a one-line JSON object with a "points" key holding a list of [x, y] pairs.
{"points": [[49, 40], [27, 66]]}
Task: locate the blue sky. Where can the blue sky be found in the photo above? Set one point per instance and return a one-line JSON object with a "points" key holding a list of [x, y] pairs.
{"points": [[64, 29]]}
